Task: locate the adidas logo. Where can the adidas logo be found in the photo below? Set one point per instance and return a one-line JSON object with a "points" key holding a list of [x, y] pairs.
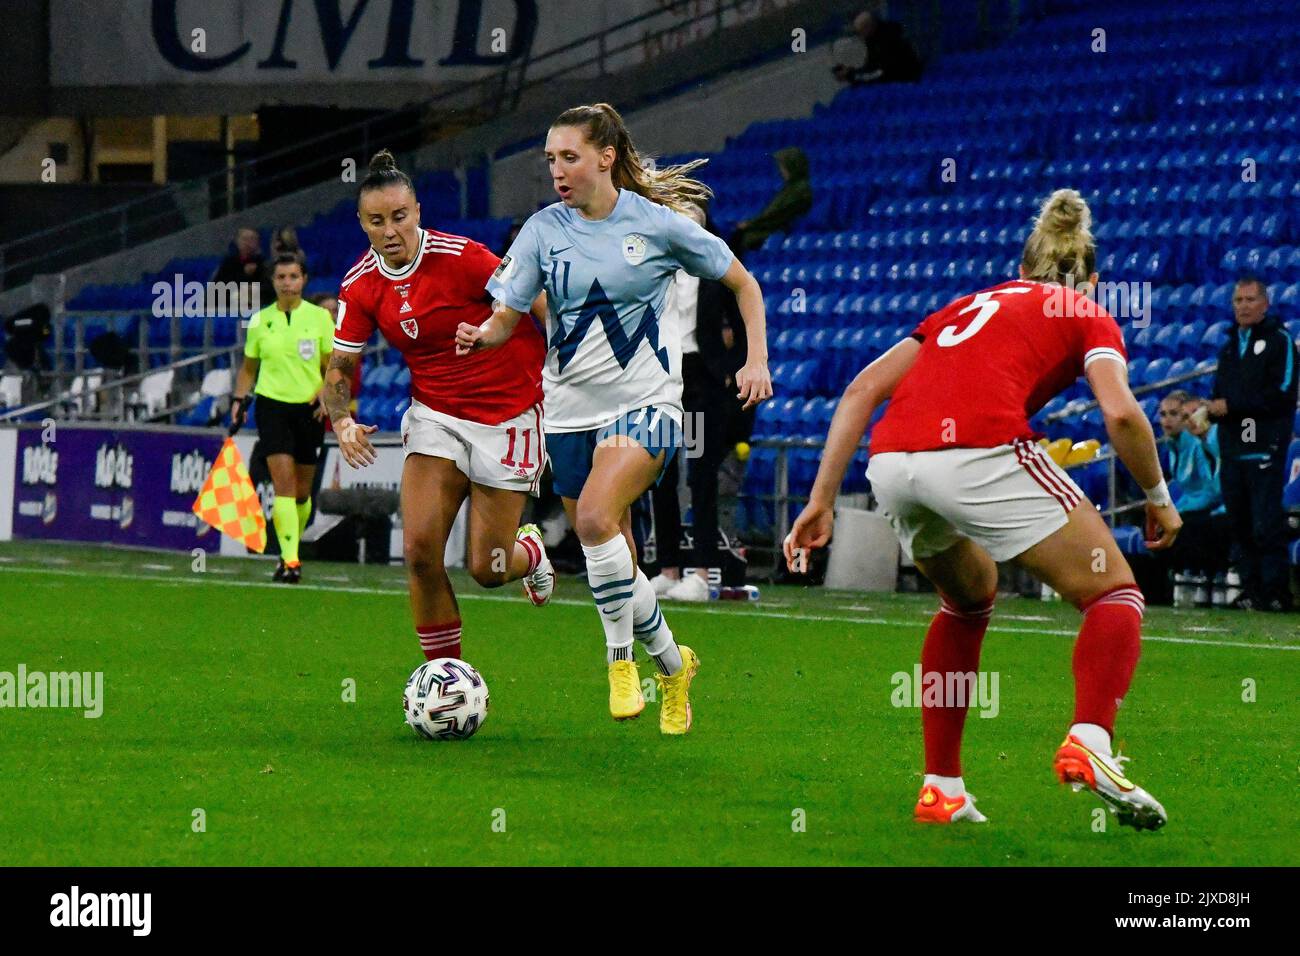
{"points": [[406, 307]]}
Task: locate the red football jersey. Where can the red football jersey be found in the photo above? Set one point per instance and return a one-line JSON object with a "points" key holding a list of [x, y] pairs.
{"points": [[989, 361], [418, 307]]}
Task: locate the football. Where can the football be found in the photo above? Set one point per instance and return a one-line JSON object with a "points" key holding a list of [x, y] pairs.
{"points": [[445, 699]]}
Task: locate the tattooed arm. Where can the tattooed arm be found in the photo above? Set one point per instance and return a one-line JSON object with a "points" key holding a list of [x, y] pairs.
{"points": [[337, 391], [353, 443]]}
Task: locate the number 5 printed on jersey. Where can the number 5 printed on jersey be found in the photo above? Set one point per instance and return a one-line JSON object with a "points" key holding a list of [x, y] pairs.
{"points": [[986, 306]]}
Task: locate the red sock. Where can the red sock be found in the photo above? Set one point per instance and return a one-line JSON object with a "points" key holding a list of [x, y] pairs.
{"points": [[533, 552], [952, 645], [439, 640], [1106, 654]]}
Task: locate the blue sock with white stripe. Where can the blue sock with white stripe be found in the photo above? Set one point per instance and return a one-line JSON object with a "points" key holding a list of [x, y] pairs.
{"points": [[609, 572], [651, 629]]}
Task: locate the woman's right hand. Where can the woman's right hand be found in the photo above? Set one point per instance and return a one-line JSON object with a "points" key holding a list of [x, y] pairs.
{"points": [[353, 443], [471, 338], [812, 529], [1162, 526]]}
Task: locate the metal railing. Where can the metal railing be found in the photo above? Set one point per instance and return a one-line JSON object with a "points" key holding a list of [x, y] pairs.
{"points": [[62, 373], [231, 189], [781, 497], [116, 397], [1082, 406]]}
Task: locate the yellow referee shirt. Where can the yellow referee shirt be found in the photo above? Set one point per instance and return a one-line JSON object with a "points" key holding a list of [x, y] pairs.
{"points": [[290, 347]]}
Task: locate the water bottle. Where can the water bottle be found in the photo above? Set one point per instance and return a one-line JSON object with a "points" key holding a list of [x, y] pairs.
{"points": [[1202, 596], [1219, 591], [746, 592], [1232, 590]]}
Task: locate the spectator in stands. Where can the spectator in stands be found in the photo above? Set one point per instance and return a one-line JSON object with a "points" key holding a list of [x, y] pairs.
{"points": [[1197, 413], [1254, 401], [790, 204], [327, 301], [890, 56], [713, 349], [247, 264], [1194, 482], [26, 333], [285, 241], [515, 226]]}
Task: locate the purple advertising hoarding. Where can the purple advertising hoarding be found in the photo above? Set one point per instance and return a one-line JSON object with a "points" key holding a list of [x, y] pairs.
{"points": [[132, 486]]}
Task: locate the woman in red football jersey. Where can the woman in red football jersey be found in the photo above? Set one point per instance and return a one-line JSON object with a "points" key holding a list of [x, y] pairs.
{"points": [[474, 427], [955, 467]]}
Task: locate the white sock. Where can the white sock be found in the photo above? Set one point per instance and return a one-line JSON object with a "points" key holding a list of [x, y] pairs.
{"points": [[1093, 737], [949, 786], [609, 572], [651, 629]]}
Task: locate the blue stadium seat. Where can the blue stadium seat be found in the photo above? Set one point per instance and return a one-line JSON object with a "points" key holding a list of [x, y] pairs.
{"points": [[1166, 340], [199, 414], [379, 378], [1129, 539], [1157, 370], [1189, 339], [1215, 336]]}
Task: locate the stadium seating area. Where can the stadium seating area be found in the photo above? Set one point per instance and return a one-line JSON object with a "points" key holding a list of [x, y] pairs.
{"points": [[1184, 144], [332, 242], [1185, 149]]}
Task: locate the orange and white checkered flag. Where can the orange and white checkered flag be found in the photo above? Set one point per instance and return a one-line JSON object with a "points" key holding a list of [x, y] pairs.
{"points": [[229, 502]]}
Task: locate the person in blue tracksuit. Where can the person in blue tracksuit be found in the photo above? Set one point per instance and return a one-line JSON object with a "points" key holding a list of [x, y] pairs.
{"points": [[1254, 403]]}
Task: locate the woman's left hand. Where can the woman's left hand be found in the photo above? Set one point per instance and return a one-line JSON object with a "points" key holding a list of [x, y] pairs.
{"points": [[755, 383]]}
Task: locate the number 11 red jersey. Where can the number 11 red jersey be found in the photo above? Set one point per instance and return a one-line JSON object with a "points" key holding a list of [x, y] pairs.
{"points": [[989, 361], [418, 308]]}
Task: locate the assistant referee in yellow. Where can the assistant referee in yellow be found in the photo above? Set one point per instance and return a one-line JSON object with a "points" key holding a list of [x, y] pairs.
{"points": [[286, 351]]}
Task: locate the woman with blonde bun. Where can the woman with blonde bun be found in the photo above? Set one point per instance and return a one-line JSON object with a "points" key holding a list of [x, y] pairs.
{"points": [[957, 470]]}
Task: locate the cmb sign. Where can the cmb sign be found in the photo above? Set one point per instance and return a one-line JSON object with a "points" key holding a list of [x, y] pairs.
{"points": [[146, 42], [336, 32]]}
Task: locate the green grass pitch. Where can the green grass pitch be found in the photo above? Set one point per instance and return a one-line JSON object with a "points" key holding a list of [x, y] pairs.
{"points": [[224, 693]]}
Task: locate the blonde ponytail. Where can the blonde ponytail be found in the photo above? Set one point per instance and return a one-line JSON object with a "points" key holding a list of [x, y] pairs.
{"points": [[671, 186], [1061, 248]]}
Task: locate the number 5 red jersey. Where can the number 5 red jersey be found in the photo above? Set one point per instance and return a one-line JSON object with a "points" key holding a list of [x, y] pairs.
{"points": [[989, 361], [419, 306]]}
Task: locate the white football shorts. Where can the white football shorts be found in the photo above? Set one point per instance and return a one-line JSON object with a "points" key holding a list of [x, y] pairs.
{"points": [[1006, 499], [510, 455]]}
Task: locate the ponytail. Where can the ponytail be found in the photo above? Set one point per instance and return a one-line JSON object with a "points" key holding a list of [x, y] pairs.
{"points": [[671, 186]]}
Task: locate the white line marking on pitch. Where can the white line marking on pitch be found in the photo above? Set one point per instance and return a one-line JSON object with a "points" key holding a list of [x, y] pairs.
{"points": [[677, 608]]}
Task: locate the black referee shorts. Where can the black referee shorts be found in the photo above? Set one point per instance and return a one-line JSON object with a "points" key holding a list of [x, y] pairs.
{"points": [[288, 428]]}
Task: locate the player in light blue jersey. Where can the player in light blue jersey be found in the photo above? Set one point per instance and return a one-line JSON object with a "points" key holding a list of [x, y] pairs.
{"points": [[605, 255]]}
